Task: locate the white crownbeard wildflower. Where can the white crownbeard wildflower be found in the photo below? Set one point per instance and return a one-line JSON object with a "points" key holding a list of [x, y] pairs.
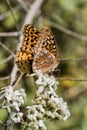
{"points": [[35, 116], [6, 93], [13, 101], [47, 103], [16, 117], [42, 125]]}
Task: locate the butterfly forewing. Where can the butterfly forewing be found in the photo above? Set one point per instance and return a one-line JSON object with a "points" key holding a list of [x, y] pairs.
{"points": [[24, 57], [24, 61], [48, 41]]}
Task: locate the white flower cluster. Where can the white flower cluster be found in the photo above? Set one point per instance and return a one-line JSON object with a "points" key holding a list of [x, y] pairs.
{"points": [[13, 101], [35, 117], [47, 103]]}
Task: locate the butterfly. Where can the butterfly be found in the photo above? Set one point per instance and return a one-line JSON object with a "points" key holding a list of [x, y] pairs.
{"points": [[38, 51]]}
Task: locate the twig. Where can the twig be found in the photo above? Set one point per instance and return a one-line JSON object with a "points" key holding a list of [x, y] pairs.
{"points": [[6, 48], [75, 91], [71, 59], [14, 84], [72, 79], [7, 123], [4, 78], [1, 123], [12, 12], [7, 13], [23, 5], [13, 73], [67, 31], [6, 60], [31, 13], [9, 34]]}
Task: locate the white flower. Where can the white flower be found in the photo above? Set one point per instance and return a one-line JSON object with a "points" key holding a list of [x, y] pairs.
{"points": [[67, 115], [40, 89], [16, 117], [13, 99], [35, 116], [46, 80], [7, 93], [16, 106], [46, 105], [61, 106], [54, 106], [19, 96], [35, 112], [42, 125]]}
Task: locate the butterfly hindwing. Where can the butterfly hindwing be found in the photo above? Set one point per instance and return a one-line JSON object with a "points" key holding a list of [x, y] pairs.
{"points": [[44, 61]]}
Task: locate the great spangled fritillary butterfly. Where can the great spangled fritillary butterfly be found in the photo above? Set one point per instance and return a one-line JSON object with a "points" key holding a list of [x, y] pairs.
{"points": [[38, 51]]}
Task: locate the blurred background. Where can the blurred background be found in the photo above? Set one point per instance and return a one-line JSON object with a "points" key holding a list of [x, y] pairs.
{"points": [[67, 19]]}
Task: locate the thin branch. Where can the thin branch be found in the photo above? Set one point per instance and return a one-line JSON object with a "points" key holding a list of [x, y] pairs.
{"points": [[67, 31], [72, 79], [23, 5], [75, 91], [13, 73], [7, 13], [4, 78], [1, 123], [15, 83], [71, 59], [12, 12], [9, 34], [6, 60], [31, 13], [6, 48]]}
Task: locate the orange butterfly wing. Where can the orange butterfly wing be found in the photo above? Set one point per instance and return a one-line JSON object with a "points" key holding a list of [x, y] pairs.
{"points": [[24, 56]]}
